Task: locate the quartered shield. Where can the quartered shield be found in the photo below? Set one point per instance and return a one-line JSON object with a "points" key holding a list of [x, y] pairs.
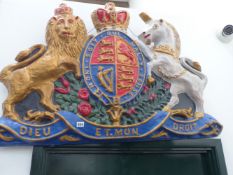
{"points": [[113, 67]]}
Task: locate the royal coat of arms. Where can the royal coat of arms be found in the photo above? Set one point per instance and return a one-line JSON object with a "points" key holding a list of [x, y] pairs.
{"points": [[113, 85]]}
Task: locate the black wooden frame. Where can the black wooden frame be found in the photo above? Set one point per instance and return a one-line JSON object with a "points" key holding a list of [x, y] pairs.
{"points": [[211, 148]]}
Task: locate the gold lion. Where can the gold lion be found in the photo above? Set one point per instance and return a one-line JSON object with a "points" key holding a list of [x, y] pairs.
{"points": [[39, 66]]}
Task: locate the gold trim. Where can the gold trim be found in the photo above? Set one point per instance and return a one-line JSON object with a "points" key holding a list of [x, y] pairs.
{"points": [[160, 134], [214, 131], [36, 125], [199, 115], [166, 49], [5, 138], [186, 113], [180, 121], [69, 138], [37, 116]]}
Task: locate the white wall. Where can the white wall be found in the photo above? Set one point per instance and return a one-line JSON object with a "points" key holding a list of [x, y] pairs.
{"points": [[22, 24]]}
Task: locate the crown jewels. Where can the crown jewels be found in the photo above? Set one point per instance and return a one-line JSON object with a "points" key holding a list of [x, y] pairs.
{"points": [[110, 18]]}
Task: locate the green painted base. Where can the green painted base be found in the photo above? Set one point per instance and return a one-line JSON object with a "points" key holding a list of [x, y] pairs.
{"points": [[192, 157]]}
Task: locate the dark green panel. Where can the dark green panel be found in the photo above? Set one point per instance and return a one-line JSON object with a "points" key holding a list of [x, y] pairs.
{"points": [[190, 157], [126, 164]]}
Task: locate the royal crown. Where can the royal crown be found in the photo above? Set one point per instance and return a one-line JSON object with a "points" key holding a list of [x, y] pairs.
{"points": [[110, 18], [63, 9]]}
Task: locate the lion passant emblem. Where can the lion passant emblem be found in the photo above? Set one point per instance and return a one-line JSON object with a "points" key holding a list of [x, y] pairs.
{"points": [[111, 85]]}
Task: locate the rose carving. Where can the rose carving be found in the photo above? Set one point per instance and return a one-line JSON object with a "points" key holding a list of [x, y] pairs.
{"points": [[84, 109], [83, 94]]}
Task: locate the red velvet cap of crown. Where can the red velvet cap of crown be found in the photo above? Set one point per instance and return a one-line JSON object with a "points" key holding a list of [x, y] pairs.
{"points": [[104, 16]]}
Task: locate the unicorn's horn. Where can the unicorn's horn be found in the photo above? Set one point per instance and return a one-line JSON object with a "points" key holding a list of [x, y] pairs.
{"points": [[145, 17]]}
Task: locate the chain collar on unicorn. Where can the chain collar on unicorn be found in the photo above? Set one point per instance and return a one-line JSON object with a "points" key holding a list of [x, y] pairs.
{"points": [[165, 49]]}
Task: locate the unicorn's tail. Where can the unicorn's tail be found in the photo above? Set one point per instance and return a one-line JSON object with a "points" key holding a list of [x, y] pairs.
{"points": [[194, 68]]}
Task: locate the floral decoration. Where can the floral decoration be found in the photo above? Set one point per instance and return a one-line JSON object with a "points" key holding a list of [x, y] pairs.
{"points": [[72, 95], [83, 94], [84, 109]]}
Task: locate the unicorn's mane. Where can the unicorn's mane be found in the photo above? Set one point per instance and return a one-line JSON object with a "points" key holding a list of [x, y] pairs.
{"points": [[177, 38]]}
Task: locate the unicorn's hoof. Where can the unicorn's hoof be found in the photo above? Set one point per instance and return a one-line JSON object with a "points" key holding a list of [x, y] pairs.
{"points": [[199, 115], [150, 80]]}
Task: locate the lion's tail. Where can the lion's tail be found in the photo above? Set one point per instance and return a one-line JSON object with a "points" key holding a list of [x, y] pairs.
{"points": [[23, 59], [195, 68]]}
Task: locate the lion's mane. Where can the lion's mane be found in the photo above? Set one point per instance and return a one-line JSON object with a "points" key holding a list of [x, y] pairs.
{"points": [[71, 47]]}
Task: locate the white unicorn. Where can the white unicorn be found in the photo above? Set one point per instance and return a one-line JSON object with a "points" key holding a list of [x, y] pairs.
{"points": [[161, 44]]}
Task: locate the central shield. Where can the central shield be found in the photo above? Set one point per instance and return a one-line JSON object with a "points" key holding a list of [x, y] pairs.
{"points": [[113, 67]]}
